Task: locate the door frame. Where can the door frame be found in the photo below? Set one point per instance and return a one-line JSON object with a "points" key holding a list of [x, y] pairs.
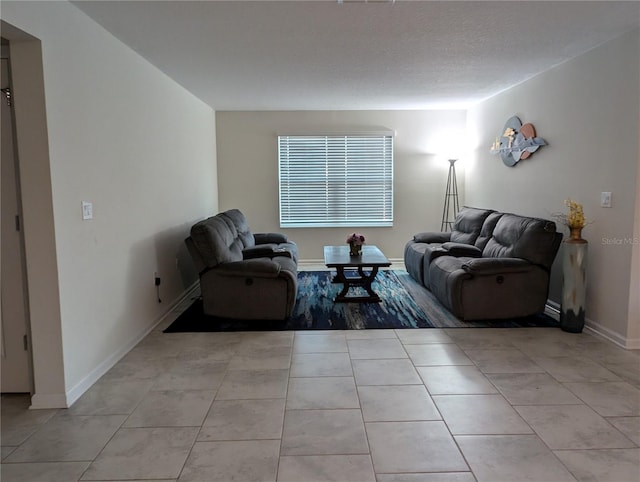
{"points": [[32, 145]]}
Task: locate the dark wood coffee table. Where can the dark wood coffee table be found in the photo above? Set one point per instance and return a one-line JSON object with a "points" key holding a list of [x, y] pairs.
{"points": [[350, 270]]}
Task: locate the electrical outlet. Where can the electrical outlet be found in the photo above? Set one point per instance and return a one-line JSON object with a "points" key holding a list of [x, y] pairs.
{"points": [[87, 210], [156, 282], [605, 199]]}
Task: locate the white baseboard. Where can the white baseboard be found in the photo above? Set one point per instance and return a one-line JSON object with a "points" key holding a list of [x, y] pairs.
{"points": [[611, 335], [310, 262], [81, 387], [553, 309], [633, 344], [48, 400]]}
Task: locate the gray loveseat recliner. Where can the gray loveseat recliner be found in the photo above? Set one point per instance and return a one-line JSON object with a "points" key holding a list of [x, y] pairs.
{"points": [[243, 275], [492, 265]]}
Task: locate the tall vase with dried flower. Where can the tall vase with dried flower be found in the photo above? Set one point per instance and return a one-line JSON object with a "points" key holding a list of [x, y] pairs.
{"points": [[574, 270]]}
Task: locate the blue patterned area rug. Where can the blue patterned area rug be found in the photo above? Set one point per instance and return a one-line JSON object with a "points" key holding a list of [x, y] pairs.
{"points": [[405, 304], [316, 310]]}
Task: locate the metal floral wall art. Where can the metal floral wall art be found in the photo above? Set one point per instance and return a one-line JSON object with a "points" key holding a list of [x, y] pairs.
{"points": [[517, 142]]}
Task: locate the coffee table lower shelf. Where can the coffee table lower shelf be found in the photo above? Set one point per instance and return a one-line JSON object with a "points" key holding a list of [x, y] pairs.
{"points": [[364, 279]]}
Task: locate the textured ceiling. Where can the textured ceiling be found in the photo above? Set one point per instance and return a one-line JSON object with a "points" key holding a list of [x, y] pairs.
{"points": [[309, 55]]}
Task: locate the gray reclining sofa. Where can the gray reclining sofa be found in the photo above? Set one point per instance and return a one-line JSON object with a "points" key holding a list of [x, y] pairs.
{"points": [[243, 275], [491, 266]]}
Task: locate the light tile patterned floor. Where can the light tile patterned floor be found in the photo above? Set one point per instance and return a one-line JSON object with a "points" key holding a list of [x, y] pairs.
{"points": [[520, 404]]}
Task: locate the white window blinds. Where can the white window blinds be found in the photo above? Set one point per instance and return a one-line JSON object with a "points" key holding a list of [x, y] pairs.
{"points": [[336, 180]]}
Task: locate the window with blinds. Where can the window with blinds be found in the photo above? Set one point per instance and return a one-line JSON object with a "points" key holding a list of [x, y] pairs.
{"points": [[336, 180]]}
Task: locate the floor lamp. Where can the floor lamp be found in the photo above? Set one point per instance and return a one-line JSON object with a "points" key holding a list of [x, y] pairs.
{"points": [[451, 205]]}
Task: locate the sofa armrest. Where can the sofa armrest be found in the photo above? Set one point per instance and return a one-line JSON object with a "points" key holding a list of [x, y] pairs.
{"points": [[493, 266], [431, 237], [258, 268], [461, 250], [265, 238], [264, 251], [195, 255]]}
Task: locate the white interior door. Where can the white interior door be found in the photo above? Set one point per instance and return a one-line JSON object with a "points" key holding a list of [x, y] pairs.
{"points": [[15, 356]]}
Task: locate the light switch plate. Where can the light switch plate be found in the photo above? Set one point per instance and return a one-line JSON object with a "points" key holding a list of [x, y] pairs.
{"points": [[87, 210], [605, 199]]}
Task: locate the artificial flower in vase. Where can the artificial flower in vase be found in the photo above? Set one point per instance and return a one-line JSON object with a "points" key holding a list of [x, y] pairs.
{"points": [[355, 242], [574, 220]]}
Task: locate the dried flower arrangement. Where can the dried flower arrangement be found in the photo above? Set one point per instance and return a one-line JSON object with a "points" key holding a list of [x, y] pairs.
{"points": [[574, 220]]}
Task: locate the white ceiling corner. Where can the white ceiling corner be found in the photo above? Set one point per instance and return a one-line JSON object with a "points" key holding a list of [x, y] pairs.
{"points": [[326, 55]]}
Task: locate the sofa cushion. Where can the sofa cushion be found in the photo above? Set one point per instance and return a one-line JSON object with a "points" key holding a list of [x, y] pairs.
{"points": [[413, 255], [533, 239], [270, 238], [487, 230], [468, 224], [216, 241], [242, 227]]}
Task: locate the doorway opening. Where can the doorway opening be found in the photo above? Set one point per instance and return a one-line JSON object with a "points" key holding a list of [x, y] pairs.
{"points": [[15, 345]]}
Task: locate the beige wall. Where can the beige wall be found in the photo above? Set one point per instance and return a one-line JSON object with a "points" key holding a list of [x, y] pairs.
{"points": [[248, 169], [587, 110], [142, 149]]}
